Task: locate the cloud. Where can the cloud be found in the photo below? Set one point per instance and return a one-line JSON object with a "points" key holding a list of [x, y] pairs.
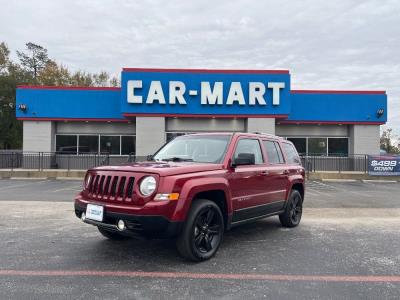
{"points": [[325, 44]]}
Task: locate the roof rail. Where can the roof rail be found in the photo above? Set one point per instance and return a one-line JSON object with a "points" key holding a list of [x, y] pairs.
{"points": [[263, 133]]}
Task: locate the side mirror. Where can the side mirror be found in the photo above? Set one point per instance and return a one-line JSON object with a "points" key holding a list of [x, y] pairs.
{"points": [[244, 159], [149, 157]]}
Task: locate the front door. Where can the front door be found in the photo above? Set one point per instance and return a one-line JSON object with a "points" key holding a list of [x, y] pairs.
{"points": [[248, 182]]}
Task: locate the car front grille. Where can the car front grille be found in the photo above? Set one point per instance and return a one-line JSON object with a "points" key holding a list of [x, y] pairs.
{"points": [[106, 187]]}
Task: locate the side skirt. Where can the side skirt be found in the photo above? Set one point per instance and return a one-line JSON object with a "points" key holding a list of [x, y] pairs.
{"points": [[253, 213], [237, 223]]}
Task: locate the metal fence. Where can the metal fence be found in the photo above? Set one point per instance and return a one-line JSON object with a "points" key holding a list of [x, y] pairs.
{"points": [[353, 163], [73, 161], [54, 160]]}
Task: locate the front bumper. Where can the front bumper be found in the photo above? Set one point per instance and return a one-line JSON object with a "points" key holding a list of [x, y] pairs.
{"points": [[155, 226]]}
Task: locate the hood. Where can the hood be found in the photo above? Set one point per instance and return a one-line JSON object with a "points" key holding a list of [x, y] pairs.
{"points": [[162, 168]]}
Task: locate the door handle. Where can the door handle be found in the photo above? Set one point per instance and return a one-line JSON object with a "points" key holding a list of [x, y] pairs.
{"points": [[264, 173], [285, 172]]}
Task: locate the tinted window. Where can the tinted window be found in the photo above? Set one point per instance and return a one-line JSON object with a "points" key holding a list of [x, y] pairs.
{"points": [[291, 153], [66, 143], [317, 146], [109, 144], [273, 152], [88, 144], [249, 146], [300, 144], [338, 146], [128, 145]]}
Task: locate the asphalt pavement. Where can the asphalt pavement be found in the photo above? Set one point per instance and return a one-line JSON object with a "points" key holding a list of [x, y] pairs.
{"points": [[346, 247]]}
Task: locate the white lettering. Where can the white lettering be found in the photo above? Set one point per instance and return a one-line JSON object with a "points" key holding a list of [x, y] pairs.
{"points": [[256, 93], [155, 93], [176, 91], [276, 86], [235, 94], [209, 96], [132, 85]]}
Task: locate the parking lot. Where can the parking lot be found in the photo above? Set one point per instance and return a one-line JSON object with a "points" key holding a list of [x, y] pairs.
{"points": [[347, 247]]}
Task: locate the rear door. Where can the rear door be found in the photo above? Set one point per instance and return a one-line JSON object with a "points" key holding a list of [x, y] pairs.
{"points": [[293, 161], [277, 173]]}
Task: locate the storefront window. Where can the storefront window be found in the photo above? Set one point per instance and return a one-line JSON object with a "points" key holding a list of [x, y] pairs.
{"points": [[88, 144], [300, 144], [338, 146], [128, 145], [66, 144], [172, 135], [110, 144], [317, 146]]}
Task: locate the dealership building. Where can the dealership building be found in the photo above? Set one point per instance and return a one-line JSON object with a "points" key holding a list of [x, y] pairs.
{"points": [[155, 105]]}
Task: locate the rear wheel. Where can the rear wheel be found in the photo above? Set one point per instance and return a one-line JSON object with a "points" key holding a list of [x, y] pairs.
{"points": [[112, 235], [203, 231], [294, 209]]}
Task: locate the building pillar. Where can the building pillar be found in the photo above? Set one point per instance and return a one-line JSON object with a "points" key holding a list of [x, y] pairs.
{"points": [[38, 136], [265, 125], [150, 134], [364, 139]]}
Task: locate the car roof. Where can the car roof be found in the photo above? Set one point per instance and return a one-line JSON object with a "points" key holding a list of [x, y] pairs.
{"points": [[248, 134]]}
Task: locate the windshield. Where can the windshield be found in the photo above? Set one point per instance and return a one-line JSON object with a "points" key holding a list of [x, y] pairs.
{"points": [[197, 148]]}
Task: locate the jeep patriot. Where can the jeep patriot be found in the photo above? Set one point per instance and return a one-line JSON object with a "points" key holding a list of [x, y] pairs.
{"points": [[195, 188]]}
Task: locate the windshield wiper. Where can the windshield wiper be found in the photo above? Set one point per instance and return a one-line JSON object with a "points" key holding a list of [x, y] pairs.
{"points": [[175, 158]]}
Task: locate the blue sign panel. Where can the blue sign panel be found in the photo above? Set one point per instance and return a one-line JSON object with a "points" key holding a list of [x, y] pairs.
{"points": [[195, 92], [384, 165]]}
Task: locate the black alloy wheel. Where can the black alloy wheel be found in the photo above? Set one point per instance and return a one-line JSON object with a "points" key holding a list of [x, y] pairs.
{"points": [[203, 231], [294, 208], [207, 230]]}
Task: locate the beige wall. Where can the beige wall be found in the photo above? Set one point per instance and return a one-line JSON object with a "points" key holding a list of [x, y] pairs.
{"points": [[38, 136], [312, 130], [265, 125], [204, 124], [96, 128], [364, 139], [150, 134]]}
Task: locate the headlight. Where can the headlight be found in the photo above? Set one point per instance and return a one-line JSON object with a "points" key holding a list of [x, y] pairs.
{"points": [[148, 185], [87, 181]]}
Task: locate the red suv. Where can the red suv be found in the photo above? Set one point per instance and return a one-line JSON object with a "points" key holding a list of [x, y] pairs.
{"points": [[194, 188]]}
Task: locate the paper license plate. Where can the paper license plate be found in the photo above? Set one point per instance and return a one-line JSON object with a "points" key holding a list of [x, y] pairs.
{"points": [[94, 212]]}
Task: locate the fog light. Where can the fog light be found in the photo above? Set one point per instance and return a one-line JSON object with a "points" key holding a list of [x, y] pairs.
{"points": [[83, 216], [121, 225]]}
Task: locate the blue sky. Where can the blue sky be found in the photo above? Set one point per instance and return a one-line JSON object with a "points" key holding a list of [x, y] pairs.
{"points": [[325, 44]]}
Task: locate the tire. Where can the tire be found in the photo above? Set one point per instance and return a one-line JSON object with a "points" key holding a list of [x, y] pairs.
{"points": [[293, 211], [202, 232], [112, 235]]}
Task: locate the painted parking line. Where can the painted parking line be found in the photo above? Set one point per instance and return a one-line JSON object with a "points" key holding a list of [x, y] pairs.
{"points": [[74, 189], [21, 185], [187, 275]]}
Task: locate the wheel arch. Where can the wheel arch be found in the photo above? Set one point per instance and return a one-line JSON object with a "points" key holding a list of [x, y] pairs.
{"points": [[298, 186], [211, 189]]}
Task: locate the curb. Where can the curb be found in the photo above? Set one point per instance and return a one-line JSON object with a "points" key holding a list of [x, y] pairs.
{"points": [[338, 180], [378, 181]]}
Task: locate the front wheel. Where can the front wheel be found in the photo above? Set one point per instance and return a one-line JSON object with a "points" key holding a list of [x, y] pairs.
{"points": [[294, 208], [203, 231]]}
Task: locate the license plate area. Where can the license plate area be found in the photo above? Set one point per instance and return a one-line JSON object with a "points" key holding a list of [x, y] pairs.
{"points": [[95, 212]]}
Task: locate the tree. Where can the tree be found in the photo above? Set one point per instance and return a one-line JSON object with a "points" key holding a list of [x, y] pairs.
{"points": [[4, 57], [34, 60], [35, 67], [53, 74], [386, 142]]}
